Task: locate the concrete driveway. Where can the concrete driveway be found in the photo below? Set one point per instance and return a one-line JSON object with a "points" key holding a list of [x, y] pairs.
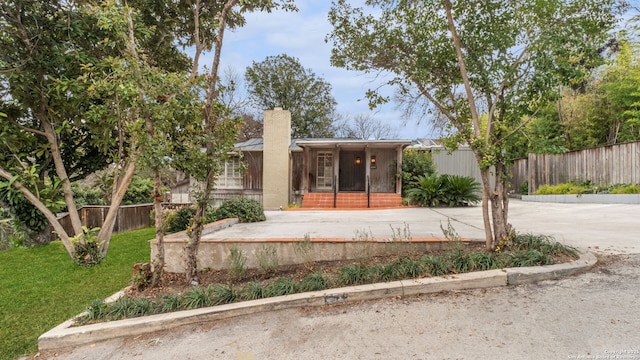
{"points": [[610, 228]]}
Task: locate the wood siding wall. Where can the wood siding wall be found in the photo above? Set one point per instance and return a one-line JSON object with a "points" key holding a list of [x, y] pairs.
{"points": [[130, 217], [383, 176], [253, 173], [605, 165]]}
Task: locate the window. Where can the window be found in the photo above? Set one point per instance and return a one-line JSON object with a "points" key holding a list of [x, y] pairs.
{"points": [[324, 178], [231, 174]]}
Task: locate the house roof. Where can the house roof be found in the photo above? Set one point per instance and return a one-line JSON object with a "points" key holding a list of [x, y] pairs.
{"points": [[351, 143], [424, 144], [430, 144], [257, 144]]}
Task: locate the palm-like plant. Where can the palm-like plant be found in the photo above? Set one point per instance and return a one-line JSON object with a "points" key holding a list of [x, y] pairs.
{"points": [[460, 190], [450, 190], [427, 190]]}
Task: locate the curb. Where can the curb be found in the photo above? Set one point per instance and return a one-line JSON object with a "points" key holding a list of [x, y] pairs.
{"points": [[64, 335]]}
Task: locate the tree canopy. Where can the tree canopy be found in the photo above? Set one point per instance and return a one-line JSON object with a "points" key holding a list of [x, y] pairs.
{"points": [[485, 66], [281, 81]]}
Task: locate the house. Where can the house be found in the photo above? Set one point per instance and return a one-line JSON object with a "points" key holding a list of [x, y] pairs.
{"points": [[312, 173], [461, 161]]}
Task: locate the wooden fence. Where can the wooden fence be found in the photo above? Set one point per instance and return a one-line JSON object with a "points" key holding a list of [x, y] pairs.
{"points": [[130, 217], [604, 165]]}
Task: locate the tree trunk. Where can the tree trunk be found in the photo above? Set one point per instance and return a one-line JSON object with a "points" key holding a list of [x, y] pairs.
{"points": [[157, 264], [501, 228], [486, 192], [104, 236], [61, 171], [53, 220], [211, 121], [196, 233]]}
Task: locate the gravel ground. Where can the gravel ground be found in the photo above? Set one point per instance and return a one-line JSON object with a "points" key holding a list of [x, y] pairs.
{"points": [[590, 316]]}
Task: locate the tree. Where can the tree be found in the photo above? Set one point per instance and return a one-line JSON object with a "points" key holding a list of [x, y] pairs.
{"points": [[253, 128], [621, 88], [76, 95], [46, 44], [364, 126], [281, 81], [208, 24], [466, 59]]}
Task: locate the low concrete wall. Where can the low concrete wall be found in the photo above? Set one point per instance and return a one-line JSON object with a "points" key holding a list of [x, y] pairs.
{"points": [[214, 253], [586, 198]]}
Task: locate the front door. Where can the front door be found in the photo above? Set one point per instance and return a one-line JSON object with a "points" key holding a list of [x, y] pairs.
{"points": [[352, 170]]}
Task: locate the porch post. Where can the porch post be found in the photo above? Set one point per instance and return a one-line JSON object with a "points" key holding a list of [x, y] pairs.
{"points": [[367, 164], [305, 170], [336, 167], [398, 169]]}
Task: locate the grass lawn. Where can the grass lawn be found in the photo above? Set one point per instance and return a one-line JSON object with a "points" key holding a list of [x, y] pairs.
{"points": [[41, 287]]}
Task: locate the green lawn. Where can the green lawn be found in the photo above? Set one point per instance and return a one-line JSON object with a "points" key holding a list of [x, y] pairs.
{"points": [[41, 287]]}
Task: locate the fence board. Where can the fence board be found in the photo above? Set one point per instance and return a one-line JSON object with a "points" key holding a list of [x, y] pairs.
{"points": [[604, 165], [129, 217]]}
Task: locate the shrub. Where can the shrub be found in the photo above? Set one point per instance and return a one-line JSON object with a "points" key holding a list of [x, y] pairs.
{"points": [[566, 188], [252, 291], [391, 271], [87, 195], [246, 210], [197, 298], [481, 260], [412, 268], [267, 259], [282, 286], [426, 190], [140, 191], [224, 294], [86, 248], [141, 277], [236, 262], [625, 189], [524, 188], [415, 163], [304, 251], [460, 262], [313, 282], [353, 275], [450, 190], [545, 244], [435, 265], [96, 310], [27, 219], [460, 190], [170, 303], [178, 220]]}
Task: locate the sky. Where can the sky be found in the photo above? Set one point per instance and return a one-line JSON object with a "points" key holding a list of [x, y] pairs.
{"points": [[302, 35]]}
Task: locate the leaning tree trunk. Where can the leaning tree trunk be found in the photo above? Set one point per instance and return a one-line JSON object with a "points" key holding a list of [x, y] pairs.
{"points": [[53, 220], [104, 236]]}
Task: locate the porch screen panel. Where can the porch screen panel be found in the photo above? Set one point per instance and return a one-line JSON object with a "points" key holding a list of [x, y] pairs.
{"points": [[230, 175], [324, 177]]}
